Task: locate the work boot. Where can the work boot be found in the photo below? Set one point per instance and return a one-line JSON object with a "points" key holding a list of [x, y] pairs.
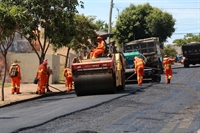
{"points": [[19, 93], [168, 81], [12, 92], [69, 90], [49, 90]]}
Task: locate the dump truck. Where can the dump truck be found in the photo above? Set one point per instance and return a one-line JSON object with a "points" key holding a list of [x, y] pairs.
{"points": [[102, 75], [149, 50], [191, 53]]}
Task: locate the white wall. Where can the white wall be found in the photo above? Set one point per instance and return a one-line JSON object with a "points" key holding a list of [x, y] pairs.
{"points": [[29, 65]]}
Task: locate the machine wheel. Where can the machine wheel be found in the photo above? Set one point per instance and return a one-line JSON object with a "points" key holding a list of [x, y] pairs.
{"points": [[186, 64], [156, 78], [113, 90], [122, 87], [97, 83], [79, 94]]}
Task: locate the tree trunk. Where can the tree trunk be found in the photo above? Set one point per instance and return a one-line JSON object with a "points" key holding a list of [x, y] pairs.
{"points": [[67, 56], [42, 57], [4, 77]]}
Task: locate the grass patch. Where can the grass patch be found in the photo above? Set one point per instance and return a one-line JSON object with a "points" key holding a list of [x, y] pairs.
{"points": [[5, 84], [61, 77]]}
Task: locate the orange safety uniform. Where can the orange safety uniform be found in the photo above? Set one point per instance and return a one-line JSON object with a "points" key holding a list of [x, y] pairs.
{"points": [[139, 69], [68, 78], [49, 72], [99, 50], [15, 80], [167, 69], [42, 75]]}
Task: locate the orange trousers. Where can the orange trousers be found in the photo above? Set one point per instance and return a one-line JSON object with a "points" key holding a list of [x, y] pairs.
{"points": [[15, 81], [96, 52], [41, 86], [68, 83], [47, 84], [140, 73], [168, 74]]}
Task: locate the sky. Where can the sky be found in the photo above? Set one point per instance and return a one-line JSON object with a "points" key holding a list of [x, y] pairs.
{"points": [[185, 12]]}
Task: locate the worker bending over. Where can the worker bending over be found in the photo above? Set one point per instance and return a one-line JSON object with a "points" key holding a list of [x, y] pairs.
{"points": [[68, 78], [42, 75], [167, 68], [139, 69], [99, 49]]}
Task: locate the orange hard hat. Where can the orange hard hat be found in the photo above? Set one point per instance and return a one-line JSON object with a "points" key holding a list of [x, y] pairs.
{"points": [[99, 38], [135, 57], [45, 62]]}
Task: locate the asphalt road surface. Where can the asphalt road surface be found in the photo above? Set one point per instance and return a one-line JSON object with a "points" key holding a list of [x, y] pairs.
{"points": [[151, 108]]}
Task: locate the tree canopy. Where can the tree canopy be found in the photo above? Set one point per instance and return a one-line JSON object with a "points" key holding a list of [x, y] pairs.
{"points": [[51, 17], [100, 24], [10, 19], [169, 50], [83, 34], [143, 21], [188, 38]]}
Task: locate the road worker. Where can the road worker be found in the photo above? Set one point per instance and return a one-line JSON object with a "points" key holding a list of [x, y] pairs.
{"points": [[15, 75], [49, 72], [139, 69], [99, 49], [42, 74], [167, 68], [68, 78]]}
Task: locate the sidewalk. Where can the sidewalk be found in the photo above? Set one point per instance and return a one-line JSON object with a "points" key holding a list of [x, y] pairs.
{"points": [[27, 92]]}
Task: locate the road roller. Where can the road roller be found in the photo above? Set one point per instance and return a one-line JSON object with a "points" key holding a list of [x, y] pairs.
{"points": [[102, 75]]}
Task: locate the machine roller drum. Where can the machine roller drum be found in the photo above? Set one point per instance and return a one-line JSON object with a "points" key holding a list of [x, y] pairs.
{"points": [[101, 83]]}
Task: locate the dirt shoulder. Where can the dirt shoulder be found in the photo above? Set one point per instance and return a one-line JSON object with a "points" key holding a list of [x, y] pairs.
{"points": [[27, 92]]}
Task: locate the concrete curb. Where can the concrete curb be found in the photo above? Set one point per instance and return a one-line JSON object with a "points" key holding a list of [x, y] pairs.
{"points": [[34, 98]]}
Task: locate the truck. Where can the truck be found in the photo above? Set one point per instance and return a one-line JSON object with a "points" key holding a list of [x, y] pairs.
{"points": [[191, 53], [102, 75], [149, 50]]}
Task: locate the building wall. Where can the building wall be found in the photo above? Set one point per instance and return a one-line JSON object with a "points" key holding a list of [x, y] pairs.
{"points": [[29, 65]]}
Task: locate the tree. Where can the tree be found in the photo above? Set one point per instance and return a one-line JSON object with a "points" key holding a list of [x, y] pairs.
{"points": [[143, 21], [100, 24], [188, 38], [169, 50], [84, 34], [48, 16], [10, 19]]}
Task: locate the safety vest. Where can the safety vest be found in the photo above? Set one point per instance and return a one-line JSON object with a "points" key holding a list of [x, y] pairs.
{"points": [[167, 65], [166, 62], [139, 63], [102, 44]]}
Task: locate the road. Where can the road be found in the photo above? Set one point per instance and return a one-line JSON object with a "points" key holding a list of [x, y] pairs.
{"points": [[151, 108]]}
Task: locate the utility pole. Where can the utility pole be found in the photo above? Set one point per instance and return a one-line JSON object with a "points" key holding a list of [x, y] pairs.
{"points": [[110, 22], [117, 12]]}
